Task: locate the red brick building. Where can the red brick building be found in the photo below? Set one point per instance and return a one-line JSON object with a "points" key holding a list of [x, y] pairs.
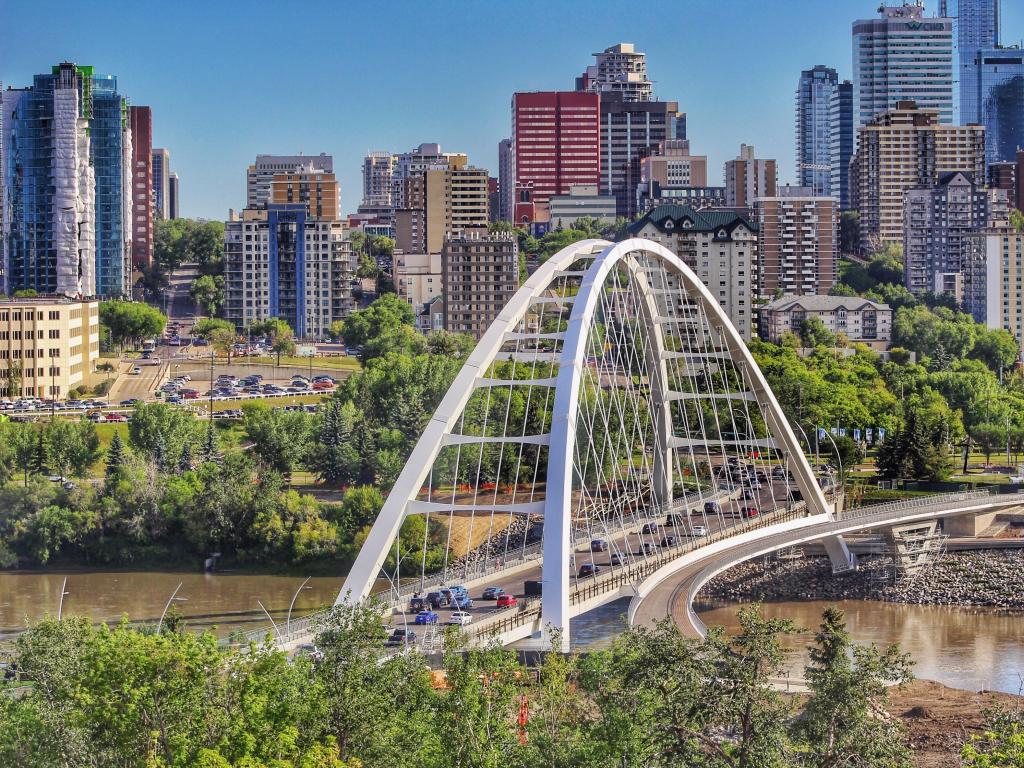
{"points": [[142, 186], [556, 139]]}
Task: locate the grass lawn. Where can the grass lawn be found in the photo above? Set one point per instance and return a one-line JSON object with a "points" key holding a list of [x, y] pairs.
{"points": [[203, 404]]}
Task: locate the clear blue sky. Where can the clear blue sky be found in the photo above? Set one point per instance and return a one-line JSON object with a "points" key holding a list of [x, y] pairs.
{"points": [[228, 80]]}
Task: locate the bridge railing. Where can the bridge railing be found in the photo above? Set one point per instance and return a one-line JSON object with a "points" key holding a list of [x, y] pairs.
{"points": [[941, 501]]}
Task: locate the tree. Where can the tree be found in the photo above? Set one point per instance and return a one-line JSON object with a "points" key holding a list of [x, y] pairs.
{"points": [[158, 426], [208, 292], [996, 347], [278, 333], [208, 325], [222, 340], [12, 385], [914, 451], [849, 232], [989, 437], [115, 456], [131, 321], [333, 456], [814, 333], [71, 447], [280, 439], [840, 722], [380, 319], [209, 443]]}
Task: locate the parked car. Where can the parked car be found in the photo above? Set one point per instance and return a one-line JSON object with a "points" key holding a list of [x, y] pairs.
{"points": [[129, 402], [598, 545], [492, 593], [426, 617], [322, 386], [588, 569], [459, 619], [116, 417], [506, 601]]}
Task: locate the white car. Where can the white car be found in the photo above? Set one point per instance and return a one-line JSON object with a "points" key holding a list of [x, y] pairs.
{"points": [[460, 618], [699, 530]]}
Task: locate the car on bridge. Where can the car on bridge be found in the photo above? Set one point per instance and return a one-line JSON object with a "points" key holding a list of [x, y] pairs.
{"points": [[647, 548], [462, 601], [417, 604], [749, 512], [668, 541], [426, 617], [618, 558], [712, 508], [587, 570], [698, 531], [492, 593], [506, 601], [599, 545], [401, 637], [650, 528], [459, 619]]}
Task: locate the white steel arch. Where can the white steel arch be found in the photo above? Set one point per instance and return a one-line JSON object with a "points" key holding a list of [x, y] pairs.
{"points": [[609, 286]]}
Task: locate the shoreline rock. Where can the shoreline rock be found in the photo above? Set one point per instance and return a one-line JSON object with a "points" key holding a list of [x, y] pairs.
{"points": [[992, 579]]}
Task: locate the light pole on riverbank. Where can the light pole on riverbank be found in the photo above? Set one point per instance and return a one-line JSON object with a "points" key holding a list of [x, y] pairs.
{"points": [[288, 621], [173, 598], [63, 592]]}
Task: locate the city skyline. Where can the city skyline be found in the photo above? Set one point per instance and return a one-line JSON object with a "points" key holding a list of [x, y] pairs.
{"points": [[465, 110]]}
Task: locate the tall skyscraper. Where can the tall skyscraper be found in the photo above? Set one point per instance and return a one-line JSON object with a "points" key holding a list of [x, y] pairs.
{"points": [[555, 144], [378, 168], [977, 30], [67, 167], [748, 178], [842, 142], [259, 175], [161, 183], [173, 197], [814, 94], [621, 70], [1000, 92], [142, 186], [425, 157], [631, 131], [902, 149], [900, 56], [506, 180]]}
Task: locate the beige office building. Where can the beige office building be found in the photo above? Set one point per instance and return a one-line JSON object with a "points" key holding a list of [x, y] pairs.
{"points": [[480, 274], [902, 149], [993, 278], [674, 166], [54, 342], [439, 202]]}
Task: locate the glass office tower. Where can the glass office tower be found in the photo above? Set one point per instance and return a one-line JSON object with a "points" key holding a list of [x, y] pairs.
{"points": [[1000, 90], [977, 29], [813, 148]]}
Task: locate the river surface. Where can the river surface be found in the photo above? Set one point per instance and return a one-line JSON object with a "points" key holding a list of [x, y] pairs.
{"points": [[968, 648]]}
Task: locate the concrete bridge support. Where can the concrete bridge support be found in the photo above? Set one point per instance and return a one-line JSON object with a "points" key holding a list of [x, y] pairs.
{"points": [[839, 554]]}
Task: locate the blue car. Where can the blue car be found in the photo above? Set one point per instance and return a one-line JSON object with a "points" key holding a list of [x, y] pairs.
{"points": [[463, 601], [426, 617]]}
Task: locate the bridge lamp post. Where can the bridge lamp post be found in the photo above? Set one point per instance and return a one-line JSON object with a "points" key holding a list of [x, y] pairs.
{"points": [[839, 459], [288, 621], [405, 616], [63, 592]]}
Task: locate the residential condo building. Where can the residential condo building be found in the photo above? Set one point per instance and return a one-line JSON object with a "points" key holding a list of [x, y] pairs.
{"points": [[161, 166], [993, 280], [902, 149], [748, 178], [142, 186], [842, 142], [260, 174], [480, 273], [798, 242], [861, 321], [618, 70]]}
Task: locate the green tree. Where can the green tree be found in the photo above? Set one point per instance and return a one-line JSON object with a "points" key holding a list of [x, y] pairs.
{"points": [[814, 333], [379, 325], [156, 423], [116, 456], [131, 321], [839, 722], [12, 384], [208, 292], [278, 333], [849, 232], [71, 447], [280, 439], [333, 456], [913, 451], [206, 327], [989, 437]]}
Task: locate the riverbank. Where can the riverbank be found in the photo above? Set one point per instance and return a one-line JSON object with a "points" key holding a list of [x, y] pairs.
{"points": [[993, 579]]}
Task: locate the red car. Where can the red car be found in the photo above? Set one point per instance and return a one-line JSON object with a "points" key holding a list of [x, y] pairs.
{"points": [[190, 394], [506, 601], [320, 386], [116, 417], [749, 512]]}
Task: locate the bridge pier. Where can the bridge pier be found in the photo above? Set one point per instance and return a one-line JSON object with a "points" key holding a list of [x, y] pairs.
{"points": [[839, 554]]}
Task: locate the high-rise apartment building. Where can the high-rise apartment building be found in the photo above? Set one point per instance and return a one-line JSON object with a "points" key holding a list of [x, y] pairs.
{"points": [[719, 246], [288, 256], [420, 160], [173, 197], [977, 30], [506, 180], [631, 131], [902, 56], [938, 221], [378, 169], [620, 70], [480, 273], [259, 175], [798, 242], [141, 119], [748, 178], [67, 157], [994, 280], [440, 202], [814, 94], [161, 174], [901, 149], [842, 142], [555, 144]]}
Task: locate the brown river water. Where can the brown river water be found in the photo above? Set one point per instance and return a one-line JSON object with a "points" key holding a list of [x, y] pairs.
{"points": [[968, 648]]}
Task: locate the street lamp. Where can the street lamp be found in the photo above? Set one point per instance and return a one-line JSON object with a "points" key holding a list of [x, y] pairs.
{"points": [[288, 621], [398, 600], [172, 599], [272, 622], [63, 592]]}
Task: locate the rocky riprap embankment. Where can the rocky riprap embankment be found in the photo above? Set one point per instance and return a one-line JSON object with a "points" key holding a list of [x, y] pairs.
{"points": [[507, 544], [994, 579]]}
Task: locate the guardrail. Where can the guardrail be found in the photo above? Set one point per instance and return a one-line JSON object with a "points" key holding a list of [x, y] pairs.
{"points": [[938, 500]]}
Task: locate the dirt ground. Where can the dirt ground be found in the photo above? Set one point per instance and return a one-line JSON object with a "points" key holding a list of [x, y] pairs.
{"points": [[940, 720]]}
